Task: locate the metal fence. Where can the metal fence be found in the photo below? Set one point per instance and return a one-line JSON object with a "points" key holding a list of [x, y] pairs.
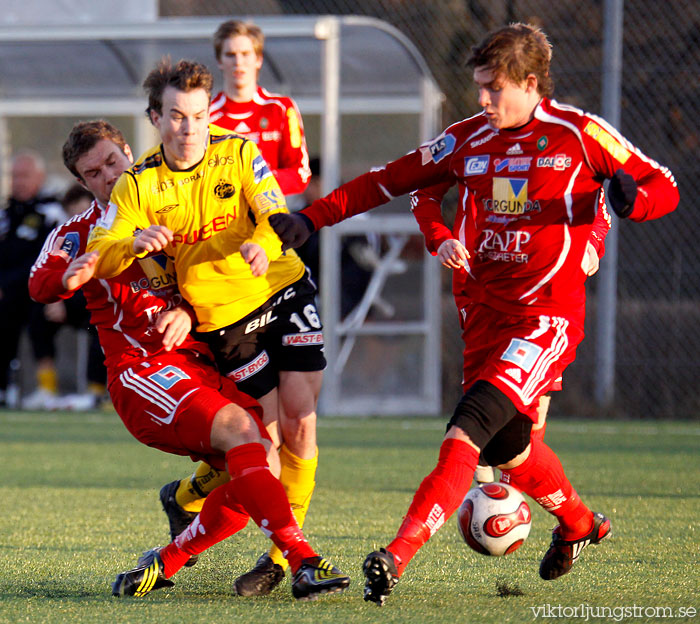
{"points": [[657, 314], [658, 288]]}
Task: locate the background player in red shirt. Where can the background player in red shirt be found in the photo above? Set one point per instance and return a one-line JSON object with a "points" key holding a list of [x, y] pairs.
{"points": [[529, 172], [164, 384], [273, 122], [269, 119]]}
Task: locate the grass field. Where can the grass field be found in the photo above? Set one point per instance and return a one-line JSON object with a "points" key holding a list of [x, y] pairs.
{"points": [[80, 502]]}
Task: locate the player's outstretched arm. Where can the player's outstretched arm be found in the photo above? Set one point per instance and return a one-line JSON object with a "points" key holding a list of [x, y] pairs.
{"points": [[640, 189]]}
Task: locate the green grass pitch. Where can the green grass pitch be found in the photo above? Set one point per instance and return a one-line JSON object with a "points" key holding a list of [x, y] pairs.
{"points": [[80, 503]]}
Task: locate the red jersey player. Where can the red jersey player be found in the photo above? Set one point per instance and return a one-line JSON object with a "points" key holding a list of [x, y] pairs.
{"points": [[269, 119], [164, 384], [529, 173], [445, 244]]}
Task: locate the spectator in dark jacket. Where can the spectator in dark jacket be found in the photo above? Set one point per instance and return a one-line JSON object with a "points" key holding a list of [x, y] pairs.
{"points": [[24, 224]]}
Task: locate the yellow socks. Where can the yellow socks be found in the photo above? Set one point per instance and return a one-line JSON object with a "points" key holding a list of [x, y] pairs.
{"points": [[97, 389], [193, 490], [298, 477], [47, 379]]}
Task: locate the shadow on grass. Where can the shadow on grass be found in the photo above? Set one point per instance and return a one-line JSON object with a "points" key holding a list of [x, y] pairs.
{"points": [[55, 590]]}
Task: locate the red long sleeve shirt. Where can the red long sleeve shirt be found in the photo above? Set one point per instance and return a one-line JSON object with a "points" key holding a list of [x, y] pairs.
{"points": [[528, 200]]}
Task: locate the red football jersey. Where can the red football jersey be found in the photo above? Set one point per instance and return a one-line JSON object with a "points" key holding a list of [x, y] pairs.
{"points": [[528, 199], [274, 123], [123, 308], [426, 205]]}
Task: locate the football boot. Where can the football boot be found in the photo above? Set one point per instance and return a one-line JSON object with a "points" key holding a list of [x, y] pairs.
{"points": [[144, 578], [317, 576], [178, 518], [381, 574], [562, 554], [261, 580]]}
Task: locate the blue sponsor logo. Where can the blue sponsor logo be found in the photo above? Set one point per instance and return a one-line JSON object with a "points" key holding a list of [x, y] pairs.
{"points": [[476, 165], [71, 244], [500, 164], [441, 147], [269, 200], [260, 169], [168, 376]]}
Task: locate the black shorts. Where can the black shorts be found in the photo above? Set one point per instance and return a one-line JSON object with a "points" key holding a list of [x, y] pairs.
{"points": [[283, 334]]}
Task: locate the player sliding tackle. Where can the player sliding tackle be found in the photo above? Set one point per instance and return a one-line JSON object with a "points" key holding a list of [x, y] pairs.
{"points": [[529, 173], [164, 385], [206, 196]]}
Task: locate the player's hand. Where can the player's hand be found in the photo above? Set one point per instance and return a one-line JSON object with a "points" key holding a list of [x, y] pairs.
{"points": [[55, 312], [80, 271], [174, 324], [453, 254], [293, 229], [153, 238], [591, 262], [256, 257], [622, 191]]}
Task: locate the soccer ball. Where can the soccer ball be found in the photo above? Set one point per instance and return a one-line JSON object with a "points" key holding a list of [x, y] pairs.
{"points": [[494, 519]]}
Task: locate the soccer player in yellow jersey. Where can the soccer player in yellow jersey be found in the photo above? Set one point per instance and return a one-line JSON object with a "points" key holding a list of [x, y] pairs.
{"points": [[205, 196]]}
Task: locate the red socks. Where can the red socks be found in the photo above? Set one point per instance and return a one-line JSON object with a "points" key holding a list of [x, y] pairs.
{"points": [[542, 477], [253, 491], [221, 517], [437, 498], [263, 497]]}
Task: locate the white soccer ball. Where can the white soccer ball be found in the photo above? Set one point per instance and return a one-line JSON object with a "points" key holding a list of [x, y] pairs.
{"points": [[494, 519]]}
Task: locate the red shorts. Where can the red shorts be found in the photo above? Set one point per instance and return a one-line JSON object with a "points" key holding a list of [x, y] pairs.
{"points": [[169, 402], [523, 356]]}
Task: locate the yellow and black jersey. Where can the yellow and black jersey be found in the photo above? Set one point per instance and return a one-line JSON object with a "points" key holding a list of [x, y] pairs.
{"points": [[212, 209]]}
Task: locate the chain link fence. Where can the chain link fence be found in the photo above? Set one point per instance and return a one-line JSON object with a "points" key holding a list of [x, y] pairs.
{"points": [[658, 306]]}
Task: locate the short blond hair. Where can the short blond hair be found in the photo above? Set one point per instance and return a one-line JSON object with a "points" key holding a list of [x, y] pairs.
{"points": [[236, 27]]}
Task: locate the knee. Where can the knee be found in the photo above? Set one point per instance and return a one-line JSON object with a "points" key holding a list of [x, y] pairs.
{"points": [[300, 420], [299, 410], [299, 393], [233, 426]]}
